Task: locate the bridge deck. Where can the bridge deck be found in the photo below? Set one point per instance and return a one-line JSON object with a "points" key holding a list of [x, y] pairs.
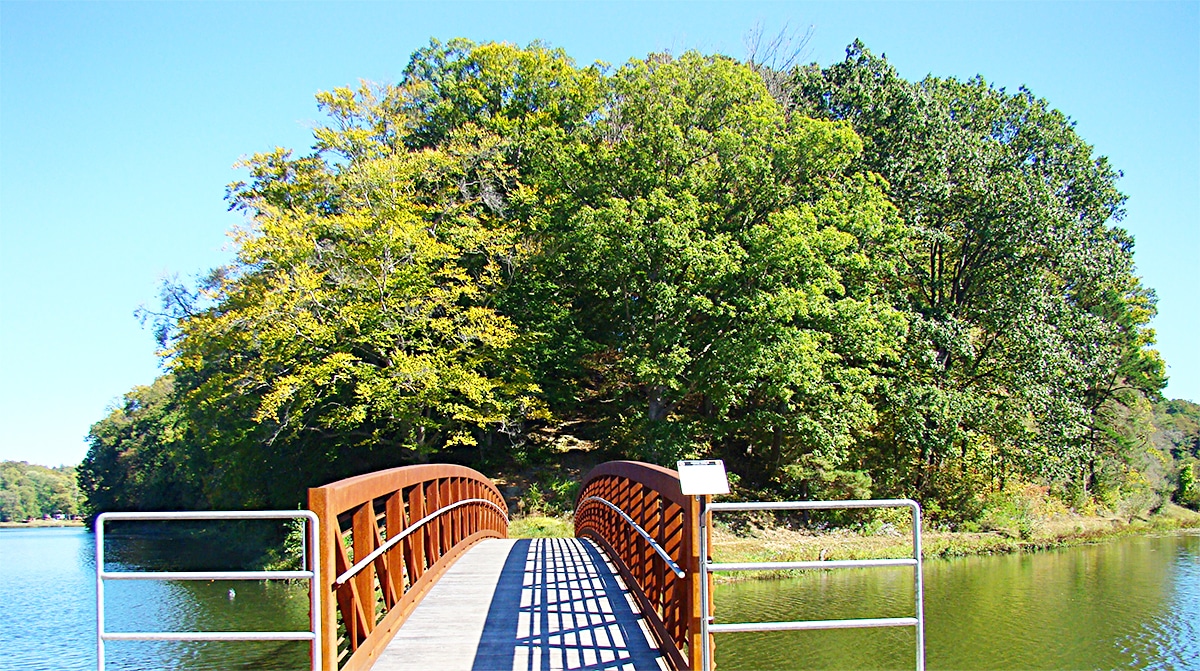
{"points": [[532, 605]]}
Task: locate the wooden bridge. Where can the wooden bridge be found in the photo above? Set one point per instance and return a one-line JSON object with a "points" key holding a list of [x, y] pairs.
{"points": [[411, 568], [417, 572]]}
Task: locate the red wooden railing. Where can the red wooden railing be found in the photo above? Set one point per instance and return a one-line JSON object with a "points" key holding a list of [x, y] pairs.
{"points": [[386, 538], [650, 498]]}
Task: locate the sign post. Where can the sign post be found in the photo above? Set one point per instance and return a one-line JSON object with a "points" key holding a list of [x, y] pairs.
{"points": [[703, 479]]}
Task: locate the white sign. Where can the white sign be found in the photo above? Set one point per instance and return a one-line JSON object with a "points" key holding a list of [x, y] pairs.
{"points": [[703, 477]]}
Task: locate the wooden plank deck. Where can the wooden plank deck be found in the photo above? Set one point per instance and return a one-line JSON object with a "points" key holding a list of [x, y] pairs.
{"points": [[528, 605]]}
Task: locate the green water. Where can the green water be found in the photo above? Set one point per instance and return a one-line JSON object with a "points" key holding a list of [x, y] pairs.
{"points": [[1131, 603]]}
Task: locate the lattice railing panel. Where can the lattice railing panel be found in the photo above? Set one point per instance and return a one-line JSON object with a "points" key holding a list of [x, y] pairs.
{"points": [[650, 496], [388, 537]]}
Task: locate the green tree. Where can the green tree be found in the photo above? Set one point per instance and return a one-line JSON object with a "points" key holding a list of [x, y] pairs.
{"points": [[721, 264], [464, 251], [1187, 492], [1177, 437], [1028, 328], [138, 457], [355, 330], [847, 284], [1178, 424], [29, 491]]}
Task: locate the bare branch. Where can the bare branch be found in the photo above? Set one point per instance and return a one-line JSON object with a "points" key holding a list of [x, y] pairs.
{"points": [[775, 60]]}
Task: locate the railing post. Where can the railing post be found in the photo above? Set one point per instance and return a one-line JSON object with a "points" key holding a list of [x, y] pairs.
{"points": [[363, 542], [99, 522], [918, 584], [395, 560], [318, 502], [691, 534], [706, 612], [416, 548]]}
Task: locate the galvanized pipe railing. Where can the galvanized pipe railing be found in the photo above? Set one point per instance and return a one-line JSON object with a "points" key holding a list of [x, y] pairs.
{"points": [[660, 559], [918, 621], [404, 527], [310, 559], [641, 532], [414, 527]]}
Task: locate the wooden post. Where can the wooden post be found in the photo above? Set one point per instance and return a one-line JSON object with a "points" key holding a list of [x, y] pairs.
{"points": [[415, 552], [691, 535], [363, 542], [394, 523], [318, 502]]}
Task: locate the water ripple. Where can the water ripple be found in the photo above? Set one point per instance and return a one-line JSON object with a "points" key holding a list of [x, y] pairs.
{"points": [[1131, 603]]}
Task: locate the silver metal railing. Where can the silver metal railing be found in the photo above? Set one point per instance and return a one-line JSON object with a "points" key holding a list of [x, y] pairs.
{"points": [[362, 563], [644, 534], [707, 626], [309, 558]]}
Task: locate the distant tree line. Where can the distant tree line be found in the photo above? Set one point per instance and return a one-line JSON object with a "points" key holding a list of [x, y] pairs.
{"points": [[29, 491], [1178, 437], [842, 282]]}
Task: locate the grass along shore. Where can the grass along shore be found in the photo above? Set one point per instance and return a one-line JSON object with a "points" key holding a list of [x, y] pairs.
{"points": [[38, 524], [753, 544], [749, 543]]}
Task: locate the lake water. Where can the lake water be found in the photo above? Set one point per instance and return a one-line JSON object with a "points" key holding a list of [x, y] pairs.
{"points": [[48, 607], [1129, 603]]}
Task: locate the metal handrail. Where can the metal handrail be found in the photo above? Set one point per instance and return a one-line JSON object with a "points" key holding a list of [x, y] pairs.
{"points": [[805, 565], [391, 542], [707, 625], [208, 575], [806, 625], [637, 527], [208, 636], [311, 533]]}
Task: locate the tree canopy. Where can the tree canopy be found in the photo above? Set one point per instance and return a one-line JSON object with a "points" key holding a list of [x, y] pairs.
{"points": [[1029, 337], [28, 491], [845, 283]]}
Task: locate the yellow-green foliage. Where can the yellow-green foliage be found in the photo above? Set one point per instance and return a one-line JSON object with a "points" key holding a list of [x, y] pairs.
{"points": [[31, 491], [848, 284]]}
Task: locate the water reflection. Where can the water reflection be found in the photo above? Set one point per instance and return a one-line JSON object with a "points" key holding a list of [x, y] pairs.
{"points": [[1131, 603], [1171, 639], [48, 622], [206, 606], [47, 588]]}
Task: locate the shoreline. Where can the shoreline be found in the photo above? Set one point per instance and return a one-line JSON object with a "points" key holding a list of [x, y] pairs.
{"points": [[42, 524], [782, 544], [777, 544]]}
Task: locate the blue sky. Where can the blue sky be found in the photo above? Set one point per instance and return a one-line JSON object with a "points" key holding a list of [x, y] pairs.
{"points": [[120, 124]]}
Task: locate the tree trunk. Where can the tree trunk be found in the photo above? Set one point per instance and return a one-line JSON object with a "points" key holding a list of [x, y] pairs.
{"points": [[656, 405]]}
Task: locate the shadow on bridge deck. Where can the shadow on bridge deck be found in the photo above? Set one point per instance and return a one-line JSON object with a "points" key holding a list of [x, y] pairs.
{"points": [[528, 605]]}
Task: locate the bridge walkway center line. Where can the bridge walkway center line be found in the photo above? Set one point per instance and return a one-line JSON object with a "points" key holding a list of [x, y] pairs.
{"points": [[525, 605]]}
